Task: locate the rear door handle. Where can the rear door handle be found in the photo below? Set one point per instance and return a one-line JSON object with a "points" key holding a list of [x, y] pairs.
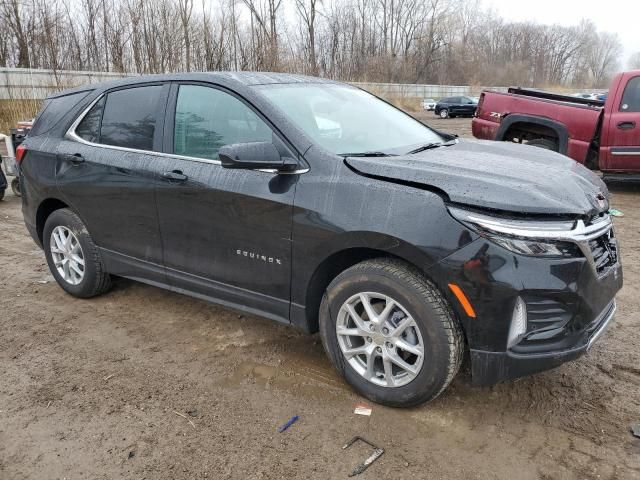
{"points": [[626, 125], [75, 159], [175, 176]]}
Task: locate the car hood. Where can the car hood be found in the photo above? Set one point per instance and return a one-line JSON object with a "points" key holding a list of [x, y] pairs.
{"points": [[496, 175]]}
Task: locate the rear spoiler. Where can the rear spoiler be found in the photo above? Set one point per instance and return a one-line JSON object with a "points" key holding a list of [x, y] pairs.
{"points": [[554, 96]]}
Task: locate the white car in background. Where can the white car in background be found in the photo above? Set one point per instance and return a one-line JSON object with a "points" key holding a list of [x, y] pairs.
{"points": [[429, 104]]}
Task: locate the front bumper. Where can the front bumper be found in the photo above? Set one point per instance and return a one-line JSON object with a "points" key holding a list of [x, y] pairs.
{"points": [[488, 368], [569, 305]]}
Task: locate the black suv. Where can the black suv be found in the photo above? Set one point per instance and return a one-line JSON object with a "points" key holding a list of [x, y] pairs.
{"points": [[451, 107], [317, 204]]}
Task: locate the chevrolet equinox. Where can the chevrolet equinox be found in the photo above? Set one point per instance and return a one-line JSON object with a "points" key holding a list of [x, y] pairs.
{"points": [[317, 204]]}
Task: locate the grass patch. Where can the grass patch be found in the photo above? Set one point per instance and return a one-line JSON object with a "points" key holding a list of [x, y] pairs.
{"points": [[408, 104], [12, 111]]}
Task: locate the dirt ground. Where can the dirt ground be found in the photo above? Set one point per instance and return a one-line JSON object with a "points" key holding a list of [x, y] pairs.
{"points": [[146, 384]]}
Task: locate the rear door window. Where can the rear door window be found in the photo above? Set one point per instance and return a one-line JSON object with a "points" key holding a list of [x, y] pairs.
{"points": [[207, 119], [631, 97], [53, 110], [129, 117]]}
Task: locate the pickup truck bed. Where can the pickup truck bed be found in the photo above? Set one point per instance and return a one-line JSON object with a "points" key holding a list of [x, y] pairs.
{"points": [[601, 135], [574, 121]]}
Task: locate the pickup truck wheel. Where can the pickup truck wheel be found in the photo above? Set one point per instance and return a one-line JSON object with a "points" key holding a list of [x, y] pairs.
{"points": [[73, 258], [543, 143], [390, 333], [444, 113]]}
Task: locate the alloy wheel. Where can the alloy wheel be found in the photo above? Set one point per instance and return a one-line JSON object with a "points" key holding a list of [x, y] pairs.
{"points": [[67, 255], [380, 339]]}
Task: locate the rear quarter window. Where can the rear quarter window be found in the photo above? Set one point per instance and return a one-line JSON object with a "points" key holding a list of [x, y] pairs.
{"points": [[89, 127], [53, 110]]}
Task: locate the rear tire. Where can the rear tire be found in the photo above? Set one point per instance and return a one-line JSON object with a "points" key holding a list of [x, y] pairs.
{"points": [[543, 143], [73, 258], [422, 333], [15, 186], [1, 194]]}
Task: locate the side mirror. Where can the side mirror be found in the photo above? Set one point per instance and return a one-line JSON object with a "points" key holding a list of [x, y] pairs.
{"points": [[253, 156]]}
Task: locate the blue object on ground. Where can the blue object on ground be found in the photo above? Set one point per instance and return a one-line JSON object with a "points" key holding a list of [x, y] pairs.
{"points": [[291, 421]]}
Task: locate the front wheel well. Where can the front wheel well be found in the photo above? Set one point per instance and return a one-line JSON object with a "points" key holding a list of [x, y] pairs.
{"points": [[46, 208], [329, 269]]}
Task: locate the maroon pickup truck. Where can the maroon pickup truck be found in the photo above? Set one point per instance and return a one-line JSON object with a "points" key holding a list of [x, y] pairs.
{"points": [[601, 135]]}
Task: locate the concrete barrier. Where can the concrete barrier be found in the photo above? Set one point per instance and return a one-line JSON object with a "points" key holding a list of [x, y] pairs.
{"points": [[23, 83]]}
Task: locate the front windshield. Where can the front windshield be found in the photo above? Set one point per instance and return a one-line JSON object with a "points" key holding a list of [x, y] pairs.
{"points": [[344, 119]]}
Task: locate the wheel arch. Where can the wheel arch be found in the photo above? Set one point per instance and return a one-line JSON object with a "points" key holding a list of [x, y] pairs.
{"points": [[540, 127], [350, 253], [45, 209]]}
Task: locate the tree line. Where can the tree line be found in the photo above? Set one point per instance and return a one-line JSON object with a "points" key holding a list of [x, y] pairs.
{"points": [[400, 41]]}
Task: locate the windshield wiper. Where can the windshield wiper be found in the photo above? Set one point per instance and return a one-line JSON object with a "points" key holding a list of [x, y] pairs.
{"points": [[429, 146], [367, 154]]}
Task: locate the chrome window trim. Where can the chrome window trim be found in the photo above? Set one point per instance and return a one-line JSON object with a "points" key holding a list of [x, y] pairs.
{"points": [[73, 136]]}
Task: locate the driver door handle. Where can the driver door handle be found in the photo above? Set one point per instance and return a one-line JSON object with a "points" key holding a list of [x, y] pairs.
{"points": [[175, 176], [626, 125]]}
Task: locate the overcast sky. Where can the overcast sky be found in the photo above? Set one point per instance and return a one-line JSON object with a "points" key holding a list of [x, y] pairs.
{"points": [[618, 16]]}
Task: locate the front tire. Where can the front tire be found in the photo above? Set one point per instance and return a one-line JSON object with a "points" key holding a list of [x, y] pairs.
{"points": [[444, 113], [73, 258], [390, 333]]}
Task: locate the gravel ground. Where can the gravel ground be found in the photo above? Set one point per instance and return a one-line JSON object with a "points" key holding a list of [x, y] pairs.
{"points": [[143, 383], [459, 126]]}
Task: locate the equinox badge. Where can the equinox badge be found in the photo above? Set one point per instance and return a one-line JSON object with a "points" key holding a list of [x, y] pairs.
{"points": [[257, 256]]}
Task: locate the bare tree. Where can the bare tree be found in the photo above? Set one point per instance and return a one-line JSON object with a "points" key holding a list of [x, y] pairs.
{"points": [[634, 61], [15, 15], [422, 41], [264, 29], [603, 57], [307, 9], [185, 9]]}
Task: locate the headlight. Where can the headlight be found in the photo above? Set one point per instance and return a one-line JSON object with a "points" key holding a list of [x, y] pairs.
{"points": [[526, 237], [532, 247]]}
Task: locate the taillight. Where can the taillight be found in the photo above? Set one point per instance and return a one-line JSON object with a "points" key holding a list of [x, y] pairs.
{"points": [[20, 151]]}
